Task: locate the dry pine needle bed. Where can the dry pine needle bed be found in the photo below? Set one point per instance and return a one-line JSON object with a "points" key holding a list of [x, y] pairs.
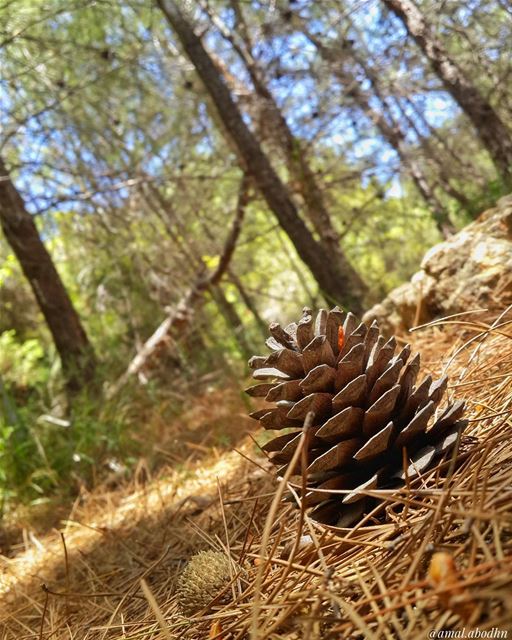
{"points": [[443, 561]]}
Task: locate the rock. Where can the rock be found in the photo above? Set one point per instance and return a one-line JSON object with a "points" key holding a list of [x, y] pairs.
{"points": [[473, 269]]}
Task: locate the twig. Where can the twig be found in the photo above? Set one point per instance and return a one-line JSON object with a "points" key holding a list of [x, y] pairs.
{"points": [[155, 608], [43, 615]]}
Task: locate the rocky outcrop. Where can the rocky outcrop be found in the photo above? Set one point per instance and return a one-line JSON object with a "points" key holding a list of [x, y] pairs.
{"points": [[473, 269]]}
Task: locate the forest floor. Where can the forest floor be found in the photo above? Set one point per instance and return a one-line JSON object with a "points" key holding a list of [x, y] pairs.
{"points": [[110, 569]]}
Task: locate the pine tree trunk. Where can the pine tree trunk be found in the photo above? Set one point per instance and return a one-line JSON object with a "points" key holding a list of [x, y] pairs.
{"points": [[69, 336], [305, 180], [291, 148], [390, 131], [425, 186], [337, 286], [491, 130], [429, 148]]}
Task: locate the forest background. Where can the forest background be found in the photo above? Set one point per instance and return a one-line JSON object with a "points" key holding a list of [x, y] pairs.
{"points": [[176, 175]]}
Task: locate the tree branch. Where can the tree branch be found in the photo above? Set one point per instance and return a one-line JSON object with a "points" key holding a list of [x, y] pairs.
{"points": [[182, 314]]}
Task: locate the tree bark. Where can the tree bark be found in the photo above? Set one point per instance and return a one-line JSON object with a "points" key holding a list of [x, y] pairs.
{"points": [[293, 151], [489, 127], [68, 334], [338, 286]]}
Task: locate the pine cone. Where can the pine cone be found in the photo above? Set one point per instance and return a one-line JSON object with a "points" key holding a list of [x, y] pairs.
{"points": [[205, 576], [367, 410]]}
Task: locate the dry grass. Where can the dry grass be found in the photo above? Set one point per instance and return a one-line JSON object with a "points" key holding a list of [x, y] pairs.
{"points": [[110, 573]]}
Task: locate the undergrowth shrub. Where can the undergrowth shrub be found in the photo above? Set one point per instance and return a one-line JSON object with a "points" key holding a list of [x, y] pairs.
{"points": [[48, 445]]}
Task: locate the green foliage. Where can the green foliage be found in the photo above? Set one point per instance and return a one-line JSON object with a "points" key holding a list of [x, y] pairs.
{"points": [[41, 453], [7, 269], [22, 363], [18, 310], [20, 462], [487, 197], [44, 442]]}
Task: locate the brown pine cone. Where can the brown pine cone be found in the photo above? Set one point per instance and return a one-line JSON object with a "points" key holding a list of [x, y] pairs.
{"points": [[368, 411]]}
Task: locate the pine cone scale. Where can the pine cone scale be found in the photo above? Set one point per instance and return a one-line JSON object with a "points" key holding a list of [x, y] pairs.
{"points": [[350, 366], [386, 381], [416, 426], [376, 445], [352, 395], [278, 443], [342, 425], [260, 390], [338, 455], [319, 403], [285, 391], [319, 379]]}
